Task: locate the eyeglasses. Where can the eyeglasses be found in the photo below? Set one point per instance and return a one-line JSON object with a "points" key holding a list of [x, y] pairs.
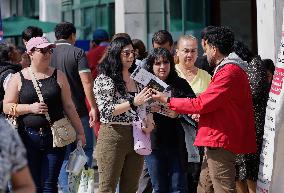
{"points": [[44, 50], [187, 51], [127, 53]]}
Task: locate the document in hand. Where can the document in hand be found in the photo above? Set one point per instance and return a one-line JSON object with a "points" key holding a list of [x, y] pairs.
{"points": [[146, 78]]}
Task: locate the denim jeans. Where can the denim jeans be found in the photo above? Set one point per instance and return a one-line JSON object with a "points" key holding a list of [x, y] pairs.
{"points": [[90, 141], [166, 171], [44, 160]]}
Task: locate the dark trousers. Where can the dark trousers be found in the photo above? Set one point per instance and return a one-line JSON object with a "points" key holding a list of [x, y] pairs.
{"points": [[145, 185], [166, 171], [192, 174], [44, 161]]}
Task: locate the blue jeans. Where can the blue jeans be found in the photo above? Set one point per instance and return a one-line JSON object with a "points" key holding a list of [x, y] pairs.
{"points": [[166, 171], [90, 141], [44, 160]]}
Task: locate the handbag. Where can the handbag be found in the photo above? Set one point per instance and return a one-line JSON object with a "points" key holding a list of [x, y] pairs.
{"points": [[62, 131], [11, 117], [142, 140]]}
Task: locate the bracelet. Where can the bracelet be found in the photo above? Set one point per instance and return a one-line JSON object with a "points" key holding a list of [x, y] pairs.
{"points": [[131, 103]]}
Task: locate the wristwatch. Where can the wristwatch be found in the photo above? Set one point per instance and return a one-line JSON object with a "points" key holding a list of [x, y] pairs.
{"points": [[168, 99], [131, 103]]}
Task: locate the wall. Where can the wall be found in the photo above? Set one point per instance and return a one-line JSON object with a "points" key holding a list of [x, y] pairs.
{"points": [[130, 17], [269, 24], [50, 10]]}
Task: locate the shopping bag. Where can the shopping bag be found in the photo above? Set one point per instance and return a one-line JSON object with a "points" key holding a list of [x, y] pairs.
{"points": [[77, 160], [87, 181], [142, 140], [75, 165], [73, 182]]}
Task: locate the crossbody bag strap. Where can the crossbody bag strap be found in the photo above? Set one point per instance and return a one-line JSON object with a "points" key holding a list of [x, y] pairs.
{"points": [[38, 91]]}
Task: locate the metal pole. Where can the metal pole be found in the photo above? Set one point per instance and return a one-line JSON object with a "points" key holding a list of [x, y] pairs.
{"points": [[147, 23], [165, 14], [183, 8]]}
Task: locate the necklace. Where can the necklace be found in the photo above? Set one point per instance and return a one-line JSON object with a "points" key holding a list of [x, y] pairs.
{"points": [[189, 73], [40, 76]]}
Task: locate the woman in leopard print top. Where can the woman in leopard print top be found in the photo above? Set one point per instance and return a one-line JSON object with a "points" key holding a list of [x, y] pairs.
{"points": [[117, 101]]}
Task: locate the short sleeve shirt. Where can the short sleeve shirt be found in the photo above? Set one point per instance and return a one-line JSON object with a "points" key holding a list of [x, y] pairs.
{"points": [[199, 83], [72, 61], [12, 153]]}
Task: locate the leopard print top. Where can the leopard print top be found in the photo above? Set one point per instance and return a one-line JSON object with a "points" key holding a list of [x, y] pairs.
{"points": [[107, 98]]}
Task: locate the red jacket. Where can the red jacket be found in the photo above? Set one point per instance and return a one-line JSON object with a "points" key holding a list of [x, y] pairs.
{"points": [[226, 112]]}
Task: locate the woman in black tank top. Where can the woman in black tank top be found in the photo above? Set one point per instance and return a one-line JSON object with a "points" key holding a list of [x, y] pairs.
{"points": [[44, 160]]}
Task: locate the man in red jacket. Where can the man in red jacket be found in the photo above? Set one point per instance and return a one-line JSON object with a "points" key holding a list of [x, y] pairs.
{"points": [[226, 125]]}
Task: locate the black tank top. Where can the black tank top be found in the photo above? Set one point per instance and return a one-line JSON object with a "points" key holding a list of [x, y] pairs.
{"points": [[51, 93]]}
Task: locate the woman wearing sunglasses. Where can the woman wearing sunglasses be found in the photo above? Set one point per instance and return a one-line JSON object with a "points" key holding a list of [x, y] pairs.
{"points": [[118, 98], [44, 160]]}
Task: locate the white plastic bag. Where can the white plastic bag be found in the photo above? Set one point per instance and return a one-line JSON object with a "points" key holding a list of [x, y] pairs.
{"points": [[77, 160], [87, 181]]}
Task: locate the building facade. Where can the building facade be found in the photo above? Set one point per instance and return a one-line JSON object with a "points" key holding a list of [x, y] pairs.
{"points": [[28, 8], [142, 18], [88, 15], [258, 23]]}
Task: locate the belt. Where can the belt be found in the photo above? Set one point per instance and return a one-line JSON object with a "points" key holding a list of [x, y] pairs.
{"points": [[39, 130]]}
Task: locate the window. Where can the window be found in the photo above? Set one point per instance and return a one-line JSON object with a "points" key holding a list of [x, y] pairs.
{"points": [[88, 22], [242, 24], [68, 16], [31, 8], [156, 17]]}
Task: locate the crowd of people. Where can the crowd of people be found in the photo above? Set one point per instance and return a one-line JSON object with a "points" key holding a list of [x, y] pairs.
{"points": [[223, 91]]}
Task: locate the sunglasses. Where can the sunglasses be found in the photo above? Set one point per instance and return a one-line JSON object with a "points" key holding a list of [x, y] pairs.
{"points": [[128, 53], [44, 50]]}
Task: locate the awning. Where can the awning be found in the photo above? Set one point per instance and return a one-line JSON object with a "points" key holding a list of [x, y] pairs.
{"points": [[15, 25]]}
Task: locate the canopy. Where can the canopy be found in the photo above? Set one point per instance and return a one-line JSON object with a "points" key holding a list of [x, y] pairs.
{"points": [[14, 26]]}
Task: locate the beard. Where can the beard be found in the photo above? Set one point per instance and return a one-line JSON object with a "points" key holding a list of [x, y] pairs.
{"points": [[212, 61]]}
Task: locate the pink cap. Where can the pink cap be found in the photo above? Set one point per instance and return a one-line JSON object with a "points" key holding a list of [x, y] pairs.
{"points": [[38, 42]]}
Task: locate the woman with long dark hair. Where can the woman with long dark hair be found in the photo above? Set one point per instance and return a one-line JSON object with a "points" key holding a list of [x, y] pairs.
{"points": [[118, 97], [167, 161]]}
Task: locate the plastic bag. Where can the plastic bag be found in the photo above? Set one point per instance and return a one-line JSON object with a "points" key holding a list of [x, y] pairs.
{"points": [[77, 160], [87, 181]]}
